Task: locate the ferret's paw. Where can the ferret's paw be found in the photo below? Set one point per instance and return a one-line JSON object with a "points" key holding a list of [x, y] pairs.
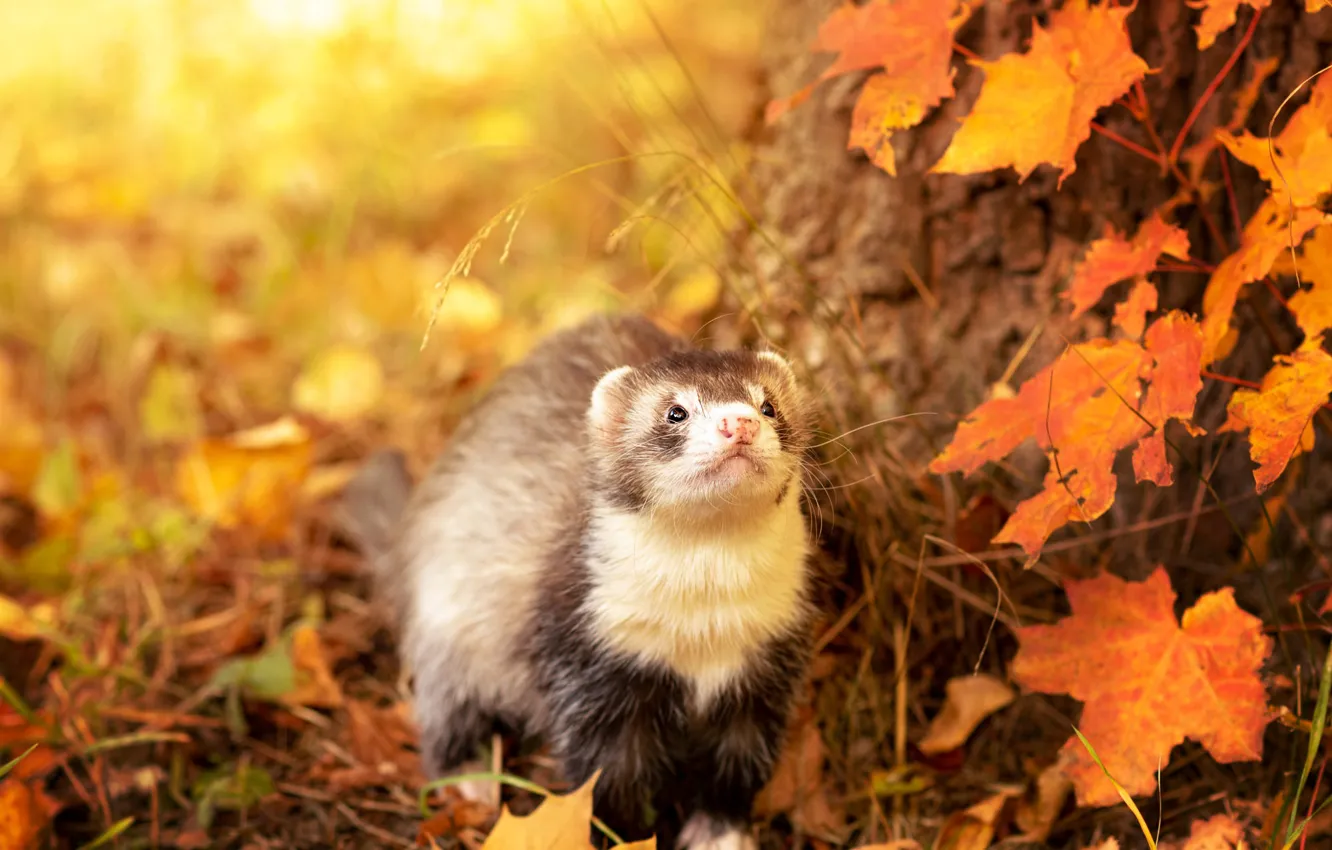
{"points": [[478, 790], [704, 833]]}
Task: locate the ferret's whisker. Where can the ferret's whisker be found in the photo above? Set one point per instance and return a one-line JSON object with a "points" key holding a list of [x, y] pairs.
{"points": [[871, 425]]}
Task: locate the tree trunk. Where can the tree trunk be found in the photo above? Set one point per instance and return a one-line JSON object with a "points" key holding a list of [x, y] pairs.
{"points": [[916, 294]]}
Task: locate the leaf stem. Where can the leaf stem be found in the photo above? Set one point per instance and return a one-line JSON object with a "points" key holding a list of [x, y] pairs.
{"points": [[1132, 146], [1212, 87]]}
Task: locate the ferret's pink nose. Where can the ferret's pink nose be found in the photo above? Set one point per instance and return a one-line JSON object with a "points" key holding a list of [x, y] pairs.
{"points": [[738, 429]]}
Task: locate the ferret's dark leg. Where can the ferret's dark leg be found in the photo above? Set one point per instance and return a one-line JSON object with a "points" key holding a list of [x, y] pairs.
{"points": [[724, 778], [736, 751], [621, 744], [451, 729]]}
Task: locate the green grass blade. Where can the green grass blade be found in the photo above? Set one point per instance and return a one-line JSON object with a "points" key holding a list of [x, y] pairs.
{"points": [[1123, 795]]}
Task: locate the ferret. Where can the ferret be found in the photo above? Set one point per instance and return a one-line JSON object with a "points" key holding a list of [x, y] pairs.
{"points": [[610, 554]]}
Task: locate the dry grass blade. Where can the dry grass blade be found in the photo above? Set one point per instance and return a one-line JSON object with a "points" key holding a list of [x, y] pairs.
{"points": [[1123, 795]]}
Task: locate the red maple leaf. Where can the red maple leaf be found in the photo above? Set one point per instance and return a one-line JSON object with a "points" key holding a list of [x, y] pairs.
{"points": [[1114, 258], [1147, 680]]}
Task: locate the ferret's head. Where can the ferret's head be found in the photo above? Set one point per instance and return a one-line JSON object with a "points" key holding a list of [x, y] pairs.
{"points": [[699, 430]]}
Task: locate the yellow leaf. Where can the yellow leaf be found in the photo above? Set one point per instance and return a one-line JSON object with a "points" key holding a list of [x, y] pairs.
{"points": [[561, 822], [251, 478], [339, 384], [18, 623], [468, 307]]}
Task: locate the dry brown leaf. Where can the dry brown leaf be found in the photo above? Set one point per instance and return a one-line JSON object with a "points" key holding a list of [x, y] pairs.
{"points": [[1219, 832], [968, 701], [457, 813], [382, 738], [1036, 816], [316, 687], [973, 829], [797, 785], [899, 844]]}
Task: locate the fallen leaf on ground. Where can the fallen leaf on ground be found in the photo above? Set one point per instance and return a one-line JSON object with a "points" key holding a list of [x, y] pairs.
{"points": [[1037, 107], [797, 785], [382, 740], [1036, 814], [1148, 681], [293, 670], [968, 701], [1219, 832], [1278, 415], [899, 844], [1303, 150], [456, 814], [25, 813], [315, 684], [560, 822], [1114, 258], [974, 828], [339, 384], [18, 623], [250, 478]]}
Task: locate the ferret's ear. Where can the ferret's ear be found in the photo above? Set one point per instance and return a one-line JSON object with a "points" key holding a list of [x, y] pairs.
{"points": [[777, 360], [608, 401]]}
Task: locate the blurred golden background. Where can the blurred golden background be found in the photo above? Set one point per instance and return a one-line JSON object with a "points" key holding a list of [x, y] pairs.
{"points": [[219, 213]]}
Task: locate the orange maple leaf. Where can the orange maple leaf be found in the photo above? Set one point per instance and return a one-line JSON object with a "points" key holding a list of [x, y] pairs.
{"points": [[1302, 172], [1219, 16], [1313, 306], [1175, 342], [1268, 233], [917, 76], [1114, 258], [1082, 410], [912, 42], [1037, 107], [1047, 411], [1131, 313], [1148, 681], [1278, 413]]}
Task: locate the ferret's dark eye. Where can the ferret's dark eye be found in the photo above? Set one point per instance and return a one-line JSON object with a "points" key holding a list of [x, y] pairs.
{"points": [[677, 414], [767, 409]]}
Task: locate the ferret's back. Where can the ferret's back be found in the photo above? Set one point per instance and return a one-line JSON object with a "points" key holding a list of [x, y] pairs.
{"points": [[463, 572]]}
